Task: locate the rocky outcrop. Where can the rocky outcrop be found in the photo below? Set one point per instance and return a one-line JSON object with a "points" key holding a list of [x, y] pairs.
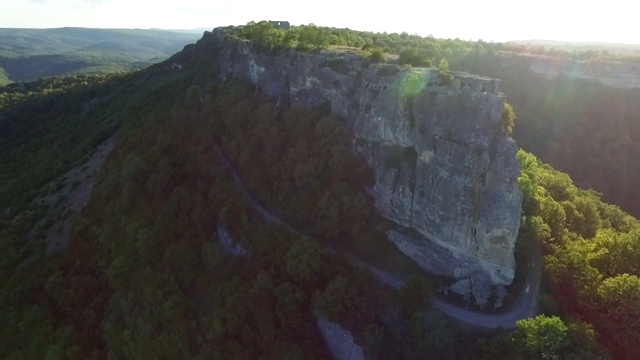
{"points": [[501, 294], [339, 341], [229, 245], [481, 288], [443, 163], [461, 287], [70, 199]]}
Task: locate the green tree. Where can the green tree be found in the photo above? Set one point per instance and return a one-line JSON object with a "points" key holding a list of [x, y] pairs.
{"points": [[374, 335], [613, 253], [541, 337], [413, 56], [336, 298], [589, 212], [619, 315], [582, 343], [571, 278], [194, 97], [508, 118], [553, 215], [304, 260], [264, 36], [289, 305], [376, 56], [444, 74], [500, 346], [416, 295], [312, 37], [443, 66], [433, 334]]}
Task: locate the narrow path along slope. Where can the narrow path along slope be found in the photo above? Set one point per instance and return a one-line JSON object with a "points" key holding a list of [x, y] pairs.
{"points": [[266, 215], [523, 308]]}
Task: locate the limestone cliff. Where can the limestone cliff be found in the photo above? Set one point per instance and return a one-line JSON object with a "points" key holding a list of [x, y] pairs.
{"points": [[443, 163]]}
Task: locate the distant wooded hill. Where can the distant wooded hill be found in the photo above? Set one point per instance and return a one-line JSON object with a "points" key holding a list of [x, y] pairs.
{"points": [[579, 126], [28, 54]]}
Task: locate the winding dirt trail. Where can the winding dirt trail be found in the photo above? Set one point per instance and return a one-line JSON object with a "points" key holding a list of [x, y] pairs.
{"points": [[523, 308]]}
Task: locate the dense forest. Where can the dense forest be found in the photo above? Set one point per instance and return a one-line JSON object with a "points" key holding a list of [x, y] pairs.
{"points": [[591, 254], [146, 273]]}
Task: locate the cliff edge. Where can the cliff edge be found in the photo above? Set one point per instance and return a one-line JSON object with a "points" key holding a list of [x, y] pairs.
{"points": [[445, 167]]}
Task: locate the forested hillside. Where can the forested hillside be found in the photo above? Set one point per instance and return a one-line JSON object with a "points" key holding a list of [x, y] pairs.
{"points": [[579, 126], [561, 119], [147, 275], [592, 252], [137, 281], [28, 54]]}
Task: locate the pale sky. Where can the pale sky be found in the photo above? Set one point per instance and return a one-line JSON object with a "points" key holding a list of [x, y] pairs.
{"points": [[490, 20]]}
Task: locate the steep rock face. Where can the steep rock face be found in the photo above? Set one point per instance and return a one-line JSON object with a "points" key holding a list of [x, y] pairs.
{"points": [[443, 163], [340, 341]]}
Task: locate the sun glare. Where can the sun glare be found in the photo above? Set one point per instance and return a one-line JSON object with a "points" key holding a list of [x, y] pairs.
{"points": [[494, 20]]}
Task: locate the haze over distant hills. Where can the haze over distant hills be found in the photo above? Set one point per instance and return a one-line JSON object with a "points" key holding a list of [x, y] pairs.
{"points": [[27, 54], [577, 43]]}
